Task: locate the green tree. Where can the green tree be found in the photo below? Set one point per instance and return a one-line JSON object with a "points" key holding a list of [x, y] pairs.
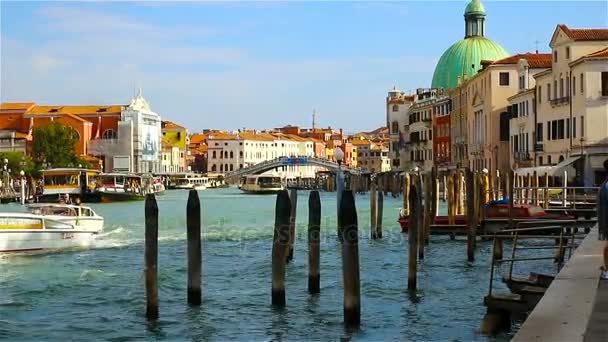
{"points": [[17, 161], [54, 145]]}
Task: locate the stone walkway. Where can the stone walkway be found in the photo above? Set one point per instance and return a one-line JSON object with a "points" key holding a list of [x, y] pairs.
{"points": [[597, 329]]}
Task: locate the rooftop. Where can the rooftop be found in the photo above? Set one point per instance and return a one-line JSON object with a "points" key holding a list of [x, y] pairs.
{"points": [[535, 60], [59, 110], [171, 125], [16, 105], [585, 34]]}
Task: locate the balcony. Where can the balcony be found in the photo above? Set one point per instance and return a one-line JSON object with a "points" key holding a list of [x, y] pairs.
{"points": [[560, 101], [522, 156], [539, 147]]}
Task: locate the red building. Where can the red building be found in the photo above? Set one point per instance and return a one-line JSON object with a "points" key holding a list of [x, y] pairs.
{"points": [[442, 144]]}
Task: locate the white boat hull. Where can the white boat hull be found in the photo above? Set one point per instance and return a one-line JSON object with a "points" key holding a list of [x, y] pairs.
{"points": [[29, 240]]}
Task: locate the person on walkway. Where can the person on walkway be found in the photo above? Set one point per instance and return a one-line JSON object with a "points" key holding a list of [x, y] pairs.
{"points": [[602, 219]]}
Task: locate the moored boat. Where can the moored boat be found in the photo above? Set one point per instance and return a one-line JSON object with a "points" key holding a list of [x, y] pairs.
{"points": [[114, 187], [261, 184], [495, 215], [29, 232], [191, 181], [69, 183]]}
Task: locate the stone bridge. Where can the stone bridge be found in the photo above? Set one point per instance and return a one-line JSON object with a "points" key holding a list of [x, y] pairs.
{"points": [[234, 176]]}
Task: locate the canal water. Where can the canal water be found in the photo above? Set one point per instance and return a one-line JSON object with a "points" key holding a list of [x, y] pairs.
{"points": [[99, 293]]}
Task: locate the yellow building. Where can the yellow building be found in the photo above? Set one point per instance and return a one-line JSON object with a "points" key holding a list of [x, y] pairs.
{"points": [[174, 147]]}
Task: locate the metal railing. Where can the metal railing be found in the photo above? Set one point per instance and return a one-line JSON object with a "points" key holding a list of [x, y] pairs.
{"points": [[564, 230]]}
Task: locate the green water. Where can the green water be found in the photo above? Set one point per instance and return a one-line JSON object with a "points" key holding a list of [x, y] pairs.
{"points": [[98, 294]]}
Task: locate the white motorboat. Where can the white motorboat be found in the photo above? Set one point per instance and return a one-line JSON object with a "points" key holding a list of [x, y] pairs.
{"points": [[28, 232]]}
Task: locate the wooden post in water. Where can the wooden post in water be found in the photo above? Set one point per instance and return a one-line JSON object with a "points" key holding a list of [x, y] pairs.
{"points": [[350, 261], [406, 194], [314, 242], [510, 181], [414, 225], [535, 188], [379, 214], [293, 199], [151, 257], [373, 214], [427, 216], [451, 199], [546, 199], [193, 222], [497, 248], [280, 244], [471, 218]]}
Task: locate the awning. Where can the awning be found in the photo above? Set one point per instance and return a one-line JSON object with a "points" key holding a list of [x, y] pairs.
{"points": [[556, 170]]}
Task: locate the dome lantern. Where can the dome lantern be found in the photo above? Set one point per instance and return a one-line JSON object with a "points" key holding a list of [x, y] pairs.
{"points": [[474, 19]]}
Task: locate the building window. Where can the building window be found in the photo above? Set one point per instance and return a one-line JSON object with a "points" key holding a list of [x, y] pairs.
{"points": [[561, 87], [568, 128], [567, 52], [573, 85], [554, 135], [540, 88], [574, 127], [395, 108], [109, 134], [221, 168], [604, 83], [582, 84], [549, 160], [213, 168], [582, 126], [240, 166], [549, 91], [213, 155], [540, 160], [231, 156], [395, 127], [539, 132], [560, 129], [241, 154], [554, 56], [555, 89], [503, 79], [548, 130], [231, 167]]}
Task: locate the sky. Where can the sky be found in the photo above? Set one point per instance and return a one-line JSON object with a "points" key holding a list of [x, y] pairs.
{"points": [[231, 65]]}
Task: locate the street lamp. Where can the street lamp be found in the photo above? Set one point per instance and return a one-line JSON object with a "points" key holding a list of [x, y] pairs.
{"points": [[22, 173]]}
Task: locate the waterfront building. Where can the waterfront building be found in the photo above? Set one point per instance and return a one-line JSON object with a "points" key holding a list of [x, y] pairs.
{"points": [[441, 133], [233, 151], [13, 127], [372, 155], [174, 147], [521, 109], [197, 152], [419, 148], [572, 102], [131, 141], [397, 106]]}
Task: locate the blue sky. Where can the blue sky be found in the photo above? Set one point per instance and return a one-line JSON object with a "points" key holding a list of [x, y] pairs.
{"points": [[231, 65]]}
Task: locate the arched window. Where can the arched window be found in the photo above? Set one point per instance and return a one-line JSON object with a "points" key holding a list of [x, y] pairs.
{"points": [[561, 159], [75, 134], [213, 168], [213, 156], [395, 127], [226, 154], [240, 166], [395, 108], [231, 155], [221, 168], [109, 134], [226, 167], [231, 167]]}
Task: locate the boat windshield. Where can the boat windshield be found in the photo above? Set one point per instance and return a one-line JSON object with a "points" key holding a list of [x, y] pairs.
{"points": [[52, 210], [268, 182], [62, 179]]}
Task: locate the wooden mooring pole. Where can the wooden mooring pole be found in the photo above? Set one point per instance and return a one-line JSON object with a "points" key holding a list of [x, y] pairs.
{"points": [[471, 217], [379, 214], [414, 226], [314, 241], [293, 199], [193, 223], [350, 261], [151, 257], [280, 243], [373, 214]]}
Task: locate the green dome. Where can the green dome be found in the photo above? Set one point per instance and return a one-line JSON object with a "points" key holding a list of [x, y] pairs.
{"points": [[459, 58], [475, 7]]}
